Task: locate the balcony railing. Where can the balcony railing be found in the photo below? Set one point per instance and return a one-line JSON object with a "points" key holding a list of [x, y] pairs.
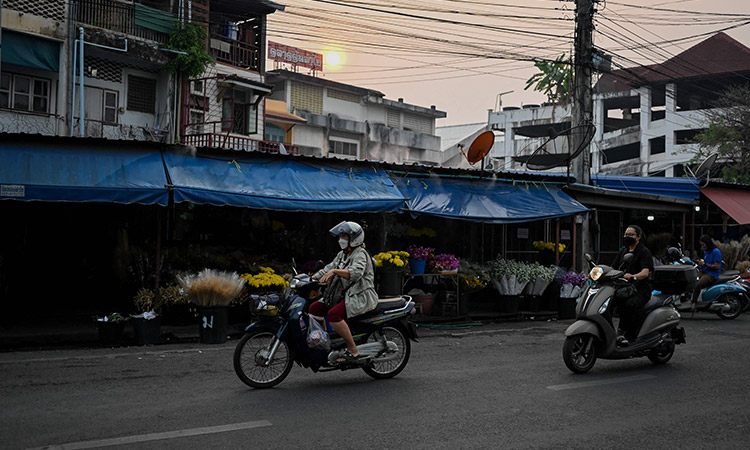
{"points": [[230, 142], [114, 15], [233, 52]]}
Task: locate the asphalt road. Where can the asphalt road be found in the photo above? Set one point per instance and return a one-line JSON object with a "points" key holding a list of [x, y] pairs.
{"points": [[499, 386]]}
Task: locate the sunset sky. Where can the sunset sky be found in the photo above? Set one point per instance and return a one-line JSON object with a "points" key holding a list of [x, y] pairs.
{"points": [[460, 54]]}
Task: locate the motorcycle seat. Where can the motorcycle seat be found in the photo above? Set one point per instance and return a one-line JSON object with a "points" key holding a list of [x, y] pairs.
{"points": [[729, 275], [384, 304], [656, 301]]}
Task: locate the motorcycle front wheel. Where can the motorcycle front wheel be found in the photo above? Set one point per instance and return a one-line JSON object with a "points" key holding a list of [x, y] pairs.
{"points": [[393, 361], [251, 357], [735, 307], [579, 352]]}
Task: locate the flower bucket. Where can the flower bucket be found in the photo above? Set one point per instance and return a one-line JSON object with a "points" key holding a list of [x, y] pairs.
{"points": [[390, 283], [427, 301], [417, 266], [509, 304], [146, 331], [213, 324], [110, 333]]}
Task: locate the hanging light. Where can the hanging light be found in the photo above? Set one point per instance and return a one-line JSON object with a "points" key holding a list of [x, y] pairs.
{"points": [[650, 218]]}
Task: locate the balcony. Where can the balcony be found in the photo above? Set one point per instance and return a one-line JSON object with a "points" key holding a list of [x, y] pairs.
{"points": [[132, 19], [236, 53], [230, 142]]}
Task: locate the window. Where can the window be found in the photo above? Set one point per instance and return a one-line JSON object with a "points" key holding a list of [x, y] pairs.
{"points": [[687, 136], [111, 106], [342, 148], [141, 94], [24, 93], [237, 115], [5, 91], [197, 119], [657, 145]]}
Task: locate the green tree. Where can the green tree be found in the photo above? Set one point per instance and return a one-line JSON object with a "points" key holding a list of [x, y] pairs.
{"points": [[728, 133], [555, 79], [190, 39]]}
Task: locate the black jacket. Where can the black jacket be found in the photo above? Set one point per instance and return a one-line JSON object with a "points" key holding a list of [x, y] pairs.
{"points": [[641, 259]]}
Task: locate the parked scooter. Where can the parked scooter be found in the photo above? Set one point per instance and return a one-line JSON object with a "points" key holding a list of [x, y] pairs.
{"points": [[725, 297], [744, 283], [264, 355], [594, 335]]}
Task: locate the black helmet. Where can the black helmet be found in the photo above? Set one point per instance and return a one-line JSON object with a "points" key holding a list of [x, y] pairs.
{"points": [[674, 253]]}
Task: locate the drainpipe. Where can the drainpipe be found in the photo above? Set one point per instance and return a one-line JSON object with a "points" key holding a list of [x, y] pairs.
{"points": [[81, 77]]}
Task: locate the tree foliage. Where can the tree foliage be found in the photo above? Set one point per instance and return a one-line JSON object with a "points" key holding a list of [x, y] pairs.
{"points": [[191, 39], [555, 79], [728, 133]]}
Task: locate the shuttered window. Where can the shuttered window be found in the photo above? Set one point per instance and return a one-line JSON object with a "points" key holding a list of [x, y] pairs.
{"points": [[141, 94]]}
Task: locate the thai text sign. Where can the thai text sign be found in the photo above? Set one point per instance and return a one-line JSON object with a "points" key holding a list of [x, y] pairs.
{"points": [[296, 56]]}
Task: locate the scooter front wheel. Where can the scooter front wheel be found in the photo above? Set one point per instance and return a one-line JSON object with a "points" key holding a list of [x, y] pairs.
{"points": [[251, 360], [579, 352]]}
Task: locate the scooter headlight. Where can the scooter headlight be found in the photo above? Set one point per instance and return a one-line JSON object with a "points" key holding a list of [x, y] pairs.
{"points": [[596, 273]]}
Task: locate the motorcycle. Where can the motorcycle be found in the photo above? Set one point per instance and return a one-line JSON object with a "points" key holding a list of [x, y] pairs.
{"points": [[744, 283], [593, 335], [264, 356], [725, 297]]}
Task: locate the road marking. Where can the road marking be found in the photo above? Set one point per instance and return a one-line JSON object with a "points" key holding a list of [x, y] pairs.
{"points": [[117, 355], [157, 436], [585, 384]]}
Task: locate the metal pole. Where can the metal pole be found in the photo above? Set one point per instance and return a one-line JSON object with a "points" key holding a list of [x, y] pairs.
{"points": [[73, 94], [80, 75]]}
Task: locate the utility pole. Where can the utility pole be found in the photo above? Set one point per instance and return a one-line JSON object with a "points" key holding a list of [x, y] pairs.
{"points": [[583, 108]]}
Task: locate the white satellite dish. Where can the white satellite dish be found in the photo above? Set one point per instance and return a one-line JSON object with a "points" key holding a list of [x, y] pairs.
{"points": [[703, 172]]}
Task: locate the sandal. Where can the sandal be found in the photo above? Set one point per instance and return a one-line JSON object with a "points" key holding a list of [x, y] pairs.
{"points": [[347, 357]]}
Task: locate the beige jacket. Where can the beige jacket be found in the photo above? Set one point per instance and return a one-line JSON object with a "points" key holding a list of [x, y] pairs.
{"points": [[361, 296]]}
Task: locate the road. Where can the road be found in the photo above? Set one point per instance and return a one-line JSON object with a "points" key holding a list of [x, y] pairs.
{"points": [[499, 386]]}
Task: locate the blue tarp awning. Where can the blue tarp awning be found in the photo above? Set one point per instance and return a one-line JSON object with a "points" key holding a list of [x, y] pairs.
{"points": [[78, 174], [260, 181], [485, 200], [686, 188]]}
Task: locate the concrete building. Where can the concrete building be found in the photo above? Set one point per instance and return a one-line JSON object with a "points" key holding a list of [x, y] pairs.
{"points": [[128, 93], [352, 122], [645, 117]]}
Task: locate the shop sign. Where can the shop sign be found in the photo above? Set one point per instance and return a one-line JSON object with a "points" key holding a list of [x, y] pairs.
{"points": [[295, 56], [12, 190]]}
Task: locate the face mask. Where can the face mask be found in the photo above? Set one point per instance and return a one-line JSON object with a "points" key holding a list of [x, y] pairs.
{"points": [[628, 240], [343, 243]]}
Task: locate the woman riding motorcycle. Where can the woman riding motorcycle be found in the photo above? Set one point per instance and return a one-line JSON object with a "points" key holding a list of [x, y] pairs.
{"points": [[356, 272], [639, 269]]}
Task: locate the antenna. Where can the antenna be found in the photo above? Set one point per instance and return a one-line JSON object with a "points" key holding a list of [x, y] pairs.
{"points": [[499, 100], [703, 170], [543, 159]]}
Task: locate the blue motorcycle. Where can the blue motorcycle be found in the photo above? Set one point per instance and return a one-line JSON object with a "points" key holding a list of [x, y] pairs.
{"points": [[724, 298], [264, 356]]}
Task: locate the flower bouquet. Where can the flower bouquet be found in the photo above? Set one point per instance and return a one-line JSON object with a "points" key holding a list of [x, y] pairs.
{"points": [[446, 263], [265, 281], [540, 278], [391, 261], [472, 276], [419, 252], [547, 246], [509, 277], [571, 284], [211, 287]]}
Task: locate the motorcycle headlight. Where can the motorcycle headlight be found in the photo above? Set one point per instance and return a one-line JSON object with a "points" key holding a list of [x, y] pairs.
{"points": [[596, 273]]}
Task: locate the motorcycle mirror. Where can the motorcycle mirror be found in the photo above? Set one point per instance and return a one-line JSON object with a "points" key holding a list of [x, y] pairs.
{"points": [[294, 266], [588, 257]]}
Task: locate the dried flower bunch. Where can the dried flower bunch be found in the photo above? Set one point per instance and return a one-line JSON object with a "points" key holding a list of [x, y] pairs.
{"points": [[212, 287]]}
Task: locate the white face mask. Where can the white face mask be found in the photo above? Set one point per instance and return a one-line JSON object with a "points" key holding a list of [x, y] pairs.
{"points": [[343, 243]]}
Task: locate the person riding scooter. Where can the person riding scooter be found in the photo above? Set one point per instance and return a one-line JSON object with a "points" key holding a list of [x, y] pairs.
{"points": [[637, 270]]}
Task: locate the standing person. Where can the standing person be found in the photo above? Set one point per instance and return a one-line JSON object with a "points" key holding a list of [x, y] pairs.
{"points": [[710, 266], [639, 268], [354, 267]]}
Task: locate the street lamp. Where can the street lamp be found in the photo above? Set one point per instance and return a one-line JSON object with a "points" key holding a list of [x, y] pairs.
{"points": [[650, 218]]}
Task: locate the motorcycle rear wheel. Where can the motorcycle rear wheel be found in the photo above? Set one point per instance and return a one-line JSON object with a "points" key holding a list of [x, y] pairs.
{"points": [[735, 307], [663, 355], [249, 360], [389, 364], [575, 355]]}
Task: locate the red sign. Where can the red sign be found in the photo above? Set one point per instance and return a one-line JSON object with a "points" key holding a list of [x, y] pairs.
{"points": [[295, 56]]}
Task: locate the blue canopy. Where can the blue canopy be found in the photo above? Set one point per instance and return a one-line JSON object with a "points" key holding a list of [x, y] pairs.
{"points": [[260, 181], [77, 174], [686, 188], [485, 200]]}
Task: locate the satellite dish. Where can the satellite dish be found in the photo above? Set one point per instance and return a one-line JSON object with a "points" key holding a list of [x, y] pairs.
{"points": [[480, 147], [545, 157], [704, 168]]}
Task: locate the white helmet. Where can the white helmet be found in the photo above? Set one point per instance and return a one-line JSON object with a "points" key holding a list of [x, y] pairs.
{"points": [[352, 229]]}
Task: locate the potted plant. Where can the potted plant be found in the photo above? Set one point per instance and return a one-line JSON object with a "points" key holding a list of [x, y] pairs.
{"points": [[418, 258], [261, 287], [390, 267], [211, 291], [111, 328], [547, 251], [150, 307]]}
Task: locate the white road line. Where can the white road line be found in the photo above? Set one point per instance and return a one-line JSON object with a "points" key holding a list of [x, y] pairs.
{"points": [[117, 355], [157, 436], [585, 384]]}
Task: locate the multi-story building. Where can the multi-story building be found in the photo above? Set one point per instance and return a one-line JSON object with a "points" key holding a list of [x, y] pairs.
{"points": [[646, 117], [106, 60], [352, 122]]}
